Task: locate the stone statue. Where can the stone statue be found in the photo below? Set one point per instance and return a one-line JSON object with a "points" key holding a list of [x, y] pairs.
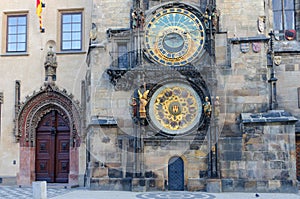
{"points": [[217, 106], [143, 103], [50, 66], [134, 16], [134, 107], [138, 19], [207, 107]]}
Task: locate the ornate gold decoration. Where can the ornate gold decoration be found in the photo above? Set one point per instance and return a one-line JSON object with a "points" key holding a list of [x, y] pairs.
{"points": [[174, 37], [143, 102], [175, 108]]}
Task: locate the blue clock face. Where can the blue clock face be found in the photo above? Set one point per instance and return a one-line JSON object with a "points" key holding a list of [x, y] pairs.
{"points": [[174, 37]]}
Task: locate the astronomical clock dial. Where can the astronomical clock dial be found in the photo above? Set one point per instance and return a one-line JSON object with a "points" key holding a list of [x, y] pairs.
{"points": [[174, 37], [175, 108]]}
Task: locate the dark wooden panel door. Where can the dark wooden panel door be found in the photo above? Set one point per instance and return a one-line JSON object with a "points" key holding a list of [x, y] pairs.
{"points": [[44, 156], [52, 149], [298, 156]]}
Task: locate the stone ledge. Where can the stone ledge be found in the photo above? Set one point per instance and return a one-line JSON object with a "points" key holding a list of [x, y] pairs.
{"points": [[103, 121], [268, 117]]}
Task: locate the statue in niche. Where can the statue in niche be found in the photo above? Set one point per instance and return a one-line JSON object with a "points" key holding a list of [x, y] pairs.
{"points": [[217, 106], [50, 66], [143, 102], [207, 107]]}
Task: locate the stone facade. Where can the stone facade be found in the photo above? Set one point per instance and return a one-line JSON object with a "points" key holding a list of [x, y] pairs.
{"points": [[241, 144], [23, 79]]}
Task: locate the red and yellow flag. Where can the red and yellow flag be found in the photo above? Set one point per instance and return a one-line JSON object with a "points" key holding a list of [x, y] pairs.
{"points": [[39, 10], [39, 7]]}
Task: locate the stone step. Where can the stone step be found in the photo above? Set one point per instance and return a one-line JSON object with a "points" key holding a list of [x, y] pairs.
{"points": [[61, 186]]}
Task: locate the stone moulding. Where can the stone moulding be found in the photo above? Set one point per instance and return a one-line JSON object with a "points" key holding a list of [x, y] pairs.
{"points": [[42, 102], [268, 117]]}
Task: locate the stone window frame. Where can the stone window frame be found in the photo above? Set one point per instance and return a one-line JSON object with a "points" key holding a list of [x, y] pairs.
{"points": [[1, 102], [62, 12], [6, 16], [298, 89], [118, 41]]}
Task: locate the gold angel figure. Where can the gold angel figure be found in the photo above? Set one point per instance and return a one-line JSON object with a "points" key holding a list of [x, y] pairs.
{"points": [[143, 103]]}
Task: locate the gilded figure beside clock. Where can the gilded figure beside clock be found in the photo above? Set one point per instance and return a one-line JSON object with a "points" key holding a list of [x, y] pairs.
{"points": [[174, 37]]}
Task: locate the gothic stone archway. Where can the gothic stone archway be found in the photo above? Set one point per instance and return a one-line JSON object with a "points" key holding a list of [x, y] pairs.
{"points": [[48, 99]]}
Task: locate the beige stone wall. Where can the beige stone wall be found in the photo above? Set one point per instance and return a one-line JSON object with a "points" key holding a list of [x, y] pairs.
{"points": [[288, 73], [29, 68], [239, 18]]}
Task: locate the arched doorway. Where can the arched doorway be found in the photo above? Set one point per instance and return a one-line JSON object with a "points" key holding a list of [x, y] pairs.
{"points": [[176, 174], [52, 148], [49, 120]]}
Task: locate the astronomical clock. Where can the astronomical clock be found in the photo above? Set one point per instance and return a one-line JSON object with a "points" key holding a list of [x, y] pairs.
{"points": [[175, 108], [174, 38]]}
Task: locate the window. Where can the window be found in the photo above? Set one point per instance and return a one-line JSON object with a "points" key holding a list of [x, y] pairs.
{"points": [[16, 33], [71, 34], [284, 15], [122, 56]]}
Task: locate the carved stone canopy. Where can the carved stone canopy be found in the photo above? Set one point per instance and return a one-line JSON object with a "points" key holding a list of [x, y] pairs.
{"points": [[48, 98]]}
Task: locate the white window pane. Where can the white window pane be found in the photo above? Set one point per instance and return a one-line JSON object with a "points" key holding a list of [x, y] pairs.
{"points": [[66, 45], [21, 29], [21, 47], [289, 20], [66, 18], [76, 18], [66, 36], [12, 29], [76, 27], [289, 4], [76, 45], [21, 38], [12, 21], [76, 36], [12, 38], [277, 4], [12, 47], [21, 20], [67, 27], [278, 21]]}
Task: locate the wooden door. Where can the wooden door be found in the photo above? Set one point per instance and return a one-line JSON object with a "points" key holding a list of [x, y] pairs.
{"points": [[176, 174], [52, 149], [298, 156]]}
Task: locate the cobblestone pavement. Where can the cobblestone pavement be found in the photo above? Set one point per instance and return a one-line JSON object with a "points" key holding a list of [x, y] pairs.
{"points": [[13, 192], [175, 195], [8, 192]]}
